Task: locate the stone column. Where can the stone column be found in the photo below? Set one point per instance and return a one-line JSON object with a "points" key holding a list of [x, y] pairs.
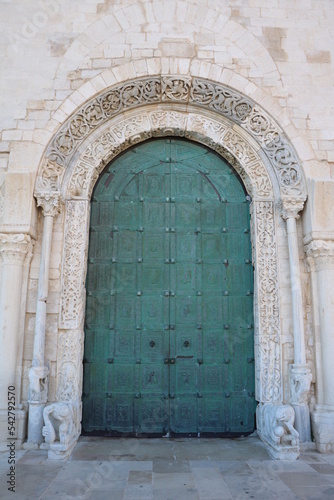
{"points": [[15, 250], [323, 416], [300, 372], [38, 374]]}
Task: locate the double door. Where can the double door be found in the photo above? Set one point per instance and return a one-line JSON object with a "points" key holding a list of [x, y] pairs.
{"points": [[169, 317]]}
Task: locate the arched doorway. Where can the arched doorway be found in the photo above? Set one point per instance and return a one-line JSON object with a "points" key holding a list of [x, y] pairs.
{"points": [[169, 341]]}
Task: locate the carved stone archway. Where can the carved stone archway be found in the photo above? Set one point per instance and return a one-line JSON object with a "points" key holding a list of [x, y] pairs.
{"points": [[236, 128]]}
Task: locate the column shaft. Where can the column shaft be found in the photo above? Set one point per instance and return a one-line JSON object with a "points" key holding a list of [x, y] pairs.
{"points": [[296, 292]]}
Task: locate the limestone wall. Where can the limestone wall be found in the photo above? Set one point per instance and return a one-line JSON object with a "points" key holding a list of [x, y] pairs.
{"points": [[58, 54]]}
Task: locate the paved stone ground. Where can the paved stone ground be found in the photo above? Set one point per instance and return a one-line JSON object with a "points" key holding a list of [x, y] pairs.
{"points": [[169, 469]]}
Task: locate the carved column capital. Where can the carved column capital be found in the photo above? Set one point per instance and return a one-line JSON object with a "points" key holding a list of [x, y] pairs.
{"points": [[291, 207], [15, 247], [321, 253], [50, 203]]}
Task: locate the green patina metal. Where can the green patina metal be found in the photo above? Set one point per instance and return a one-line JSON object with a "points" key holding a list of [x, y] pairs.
{"points": [[169, 339]]}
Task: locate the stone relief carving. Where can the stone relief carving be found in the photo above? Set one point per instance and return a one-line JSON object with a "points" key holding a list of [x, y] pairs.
{"points": [[172, 123], [268, 336], [70, 354], [168, 122], [49, 177], [300, 382], [276, 424], [58, 418], [175, 88], [38, 383], [74, 263], [196, 91]]}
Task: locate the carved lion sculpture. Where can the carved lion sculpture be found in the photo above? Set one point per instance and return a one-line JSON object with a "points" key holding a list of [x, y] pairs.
{"points": [[279, 422], [59, 423]]}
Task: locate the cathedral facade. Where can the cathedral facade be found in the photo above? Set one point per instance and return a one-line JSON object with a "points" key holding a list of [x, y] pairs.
{"points": [[166, 221]]}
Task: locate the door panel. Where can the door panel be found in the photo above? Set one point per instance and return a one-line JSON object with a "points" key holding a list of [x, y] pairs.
{"points": [[169, 311]]}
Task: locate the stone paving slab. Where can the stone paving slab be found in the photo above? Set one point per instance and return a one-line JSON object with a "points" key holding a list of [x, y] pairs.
{"points": [[169, 469]]}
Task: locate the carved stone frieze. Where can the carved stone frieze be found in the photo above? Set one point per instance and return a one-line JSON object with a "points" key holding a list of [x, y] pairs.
{"points": [[194, 126], [267, 333], [74, 264], [172, 123], [172, 89], [15, 247], [49, 178], [320, 253], [175, 88], [70, 354]]}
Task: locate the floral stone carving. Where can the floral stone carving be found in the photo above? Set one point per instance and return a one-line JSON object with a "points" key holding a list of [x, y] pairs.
{"points": [[198, 92]]}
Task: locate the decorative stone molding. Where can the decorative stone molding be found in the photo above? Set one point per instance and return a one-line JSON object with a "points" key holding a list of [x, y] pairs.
{"points": [[197, 92], [275, 427], [300, 383], [190, 124], [15, 247], [49, 181], [321, 254], [267, 328], [72, 304]]}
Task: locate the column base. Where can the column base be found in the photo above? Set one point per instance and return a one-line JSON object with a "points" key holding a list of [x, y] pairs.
{"points": [[20, 429], [35, 423], [322, 419], [275, 429]]}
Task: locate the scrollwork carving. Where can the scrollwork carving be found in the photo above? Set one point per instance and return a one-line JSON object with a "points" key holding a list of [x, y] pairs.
{"points": [[168, 123], [195, 91], [269, 370], [175, 88], [74, 264]]}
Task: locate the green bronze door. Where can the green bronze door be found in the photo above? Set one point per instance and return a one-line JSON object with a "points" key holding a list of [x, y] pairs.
{"points": [[169, 315]]}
